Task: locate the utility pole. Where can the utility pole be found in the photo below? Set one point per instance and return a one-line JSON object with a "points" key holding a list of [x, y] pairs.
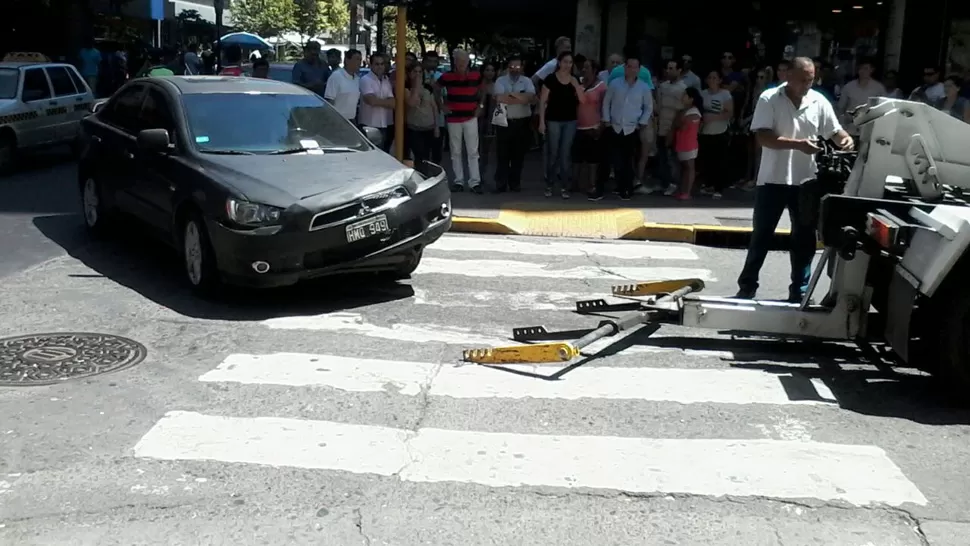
{"points": [[354, 25]]}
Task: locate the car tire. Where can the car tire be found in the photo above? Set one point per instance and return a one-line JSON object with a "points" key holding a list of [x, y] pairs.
{"points": [[403, 272], [96, 214], [8, 152], [198, 258]]}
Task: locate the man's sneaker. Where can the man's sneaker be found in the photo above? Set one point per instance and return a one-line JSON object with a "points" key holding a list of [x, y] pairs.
{"points": [[548, 192], [671, 190], [457, 188], [564, 194], [626, 195], [715, 195], [594, 196], [477, 188]]}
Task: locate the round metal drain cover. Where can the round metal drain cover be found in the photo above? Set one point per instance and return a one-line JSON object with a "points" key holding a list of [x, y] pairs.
{"points": [[48, 359]]}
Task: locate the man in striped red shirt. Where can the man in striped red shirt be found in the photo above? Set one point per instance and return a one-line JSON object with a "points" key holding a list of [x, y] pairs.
{"points": [[461, 105]]}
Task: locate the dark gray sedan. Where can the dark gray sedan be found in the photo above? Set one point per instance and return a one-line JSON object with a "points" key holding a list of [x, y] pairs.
{"points": [[256, 182]]}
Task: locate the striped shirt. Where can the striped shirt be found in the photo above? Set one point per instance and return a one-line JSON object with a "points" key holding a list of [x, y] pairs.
{"points": [[462, 95]]}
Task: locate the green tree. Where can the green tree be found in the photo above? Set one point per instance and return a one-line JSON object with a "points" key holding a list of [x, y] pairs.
{"points": [[335, 15], [267, 18], [390, 33]]}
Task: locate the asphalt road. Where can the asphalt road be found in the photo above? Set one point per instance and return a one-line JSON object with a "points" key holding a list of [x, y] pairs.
{"points": [[338, 414]]}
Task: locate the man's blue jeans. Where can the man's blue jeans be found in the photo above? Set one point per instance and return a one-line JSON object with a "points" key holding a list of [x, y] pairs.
{"points": [[558, 152], [770, 202]]}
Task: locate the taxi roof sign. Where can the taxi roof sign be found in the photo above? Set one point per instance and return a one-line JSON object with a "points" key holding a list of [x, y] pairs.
{"points": [[25, 57]]}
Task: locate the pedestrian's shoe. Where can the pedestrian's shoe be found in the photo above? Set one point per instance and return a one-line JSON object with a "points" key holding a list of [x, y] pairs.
{"points": [[564, 194], [548, 192], [681, 196], [745, 294], [457, 188], [625, 195], [477, 188], [671, 190], [595, 195]]}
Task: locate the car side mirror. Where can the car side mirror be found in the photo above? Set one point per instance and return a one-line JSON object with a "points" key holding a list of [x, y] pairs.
{"points": [[153, 140], [374, 135]]}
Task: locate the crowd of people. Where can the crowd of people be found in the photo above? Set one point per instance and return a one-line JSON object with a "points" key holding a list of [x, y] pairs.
{"points": [[680, 134]]}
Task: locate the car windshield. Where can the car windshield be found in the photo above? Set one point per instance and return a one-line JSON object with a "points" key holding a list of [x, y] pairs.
{"points": [[9, 78], [263, 123]]}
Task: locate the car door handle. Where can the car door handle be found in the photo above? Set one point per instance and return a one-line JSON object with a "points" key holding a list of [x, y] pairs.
{"points": [[96, 138], [79, 99], [52, 103]]}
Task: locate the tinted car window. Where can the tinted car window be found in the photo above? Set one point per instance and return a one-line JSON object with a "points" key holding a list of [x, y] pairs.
{"points": [[156, 114], [124, 109], [9, 78], [61, 81], [78, 82], [267, 122], [35, 85]]}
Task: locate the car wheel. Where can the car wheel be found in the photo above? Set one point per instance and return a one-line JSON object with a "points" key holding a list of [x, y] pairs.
{"points": [[8, 152], [97, 217], [197, 256], [404, 271]]}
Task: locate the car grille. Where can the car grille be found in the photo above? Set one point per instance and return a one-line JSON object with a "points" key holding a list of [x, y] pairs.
{"points": [[361, 207], [355, 251]]}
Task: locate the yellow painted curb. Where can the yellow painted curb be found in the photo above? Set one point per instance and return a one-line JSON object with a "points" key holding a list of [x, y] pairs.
{"points": [[625, 224]]}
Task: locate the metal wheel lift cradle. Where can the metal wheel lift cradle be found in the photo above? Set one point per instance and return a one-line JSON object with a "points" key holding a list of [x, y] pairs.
{"points": [[907, 148]]}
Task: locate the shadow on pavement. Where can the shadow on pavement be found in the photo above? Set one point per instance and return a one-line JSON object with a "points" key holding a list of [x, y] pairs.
{"points": [[43, 184], [134, 260]]}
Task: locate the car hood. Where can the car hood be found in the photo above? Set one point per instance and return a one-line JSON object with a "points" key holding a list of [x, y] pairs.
{"points": [[281, 180]]}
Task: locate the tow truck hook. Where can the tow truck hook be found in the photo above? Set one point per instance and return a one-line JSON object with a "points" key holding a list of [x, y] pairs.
{"points": [[850, 243]]}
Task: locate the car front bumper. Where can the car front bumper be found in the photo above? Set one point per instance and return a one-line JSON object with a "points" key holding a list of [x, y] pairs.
{"points": [[295, 255]]}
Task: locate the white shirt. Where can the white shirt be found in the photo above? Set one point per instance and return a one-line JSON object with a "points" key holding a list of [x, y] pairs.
{"points": [[547, 69], [855, 95], [691, 80], [343, 91], [375, 116], [815, 117]]}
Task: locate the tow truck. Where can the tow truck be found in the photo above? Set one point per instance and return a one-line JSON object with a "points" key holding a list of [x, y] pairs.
{"points": [[894, 227]]}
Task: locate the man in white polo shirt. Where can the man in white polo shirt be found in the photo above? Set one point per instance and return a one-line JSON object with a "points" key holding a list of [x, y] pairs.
{"points": [[377, 100], [343, 86], [788, 120]]}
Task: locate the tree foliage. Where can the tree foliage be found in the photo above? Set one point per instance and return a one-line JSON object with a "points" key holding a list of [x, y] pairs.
{"points": [[266, 18], [390, 33], [313, 17]]}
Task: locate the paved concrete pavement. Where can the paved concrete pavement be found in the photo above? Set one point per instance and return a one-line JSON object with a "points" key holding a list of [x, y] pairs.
{"points": [[339, 414]]}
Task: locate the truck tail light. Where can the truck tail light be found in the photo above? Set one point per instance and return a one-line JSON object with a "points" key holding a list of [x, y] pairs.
{"points": [[882, 230]]}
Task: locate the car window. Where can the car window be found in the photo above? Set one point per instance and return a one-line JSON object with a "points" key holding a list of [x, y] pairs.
{"points": [[35, 85], [124, 110], [78, 82], [267, 122], [9, 78], [281, 74], [156, 114], [61, 81]]}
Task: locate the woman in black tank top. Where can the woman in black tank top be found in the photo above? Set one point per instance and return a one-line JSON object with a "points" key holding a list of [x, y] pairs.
{"points": [[561, 95]]}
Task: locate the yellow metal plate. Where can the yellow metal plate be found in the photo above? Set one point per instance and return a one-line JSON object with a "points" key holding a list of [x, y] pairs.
{"points": [[522, 354], [656, 287], [25, 57]]}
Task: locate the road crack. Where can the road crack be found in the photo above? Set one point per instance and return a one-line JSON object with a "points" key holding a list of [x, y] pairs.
{"points": [[359, 524]]}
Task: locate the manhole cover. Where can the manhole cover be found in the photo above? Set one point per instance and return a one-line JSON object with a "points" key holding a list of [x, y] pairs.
{"points": [[47, 359]]}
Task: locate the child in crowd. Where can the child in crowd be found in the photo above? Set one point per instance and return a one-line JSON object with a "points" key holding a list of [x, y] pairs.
{"points": [[686, 127]]}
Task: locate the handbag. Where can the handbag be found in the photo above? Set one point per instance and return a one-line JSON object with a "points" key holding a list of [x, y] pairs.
{"points": [[500, 116]]}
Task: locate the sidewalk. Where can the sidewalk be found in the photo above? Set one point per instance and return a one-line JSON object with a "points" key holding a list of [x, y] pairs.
{"points": [[724, 223]]}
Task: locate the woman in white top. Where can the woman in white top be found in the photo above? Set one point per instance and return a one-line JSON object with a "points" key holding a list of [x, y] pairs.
{"points": [[714, 140]]}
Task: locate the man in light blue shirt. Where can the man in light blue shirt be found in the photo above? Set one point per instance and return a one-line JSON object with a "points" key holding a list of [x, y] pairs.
{"points": [[627, 108]]}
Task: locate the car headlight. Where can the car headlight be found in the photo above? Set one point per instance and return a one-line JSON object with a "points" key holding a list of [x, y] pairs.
{"points": [[251, 214]]}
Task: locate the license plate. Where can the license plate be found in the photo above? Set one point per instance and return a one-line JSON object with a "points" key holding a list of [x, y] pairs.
{"points": [[367, 228]]}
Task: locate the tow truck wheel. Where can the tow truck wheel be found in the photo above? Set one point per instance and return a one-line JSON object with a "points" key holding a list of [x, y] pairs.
{"points": [[946, 347]]}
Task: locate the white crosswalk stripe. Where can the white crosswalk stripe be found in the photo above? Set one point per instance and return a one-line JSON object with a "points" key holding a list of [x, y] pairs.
{"points": [[795, 467]]}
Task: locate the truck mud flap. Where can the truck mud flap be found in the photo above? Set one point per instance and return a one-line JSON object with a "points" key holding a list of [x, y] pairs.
{"points": [[899, 311]]}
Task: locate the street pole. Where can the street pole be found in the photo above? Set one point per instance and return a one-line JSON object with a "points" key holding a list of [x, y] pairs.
{"points": [[401, 73], [380, 27], [352, 35], [219, 6]]}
